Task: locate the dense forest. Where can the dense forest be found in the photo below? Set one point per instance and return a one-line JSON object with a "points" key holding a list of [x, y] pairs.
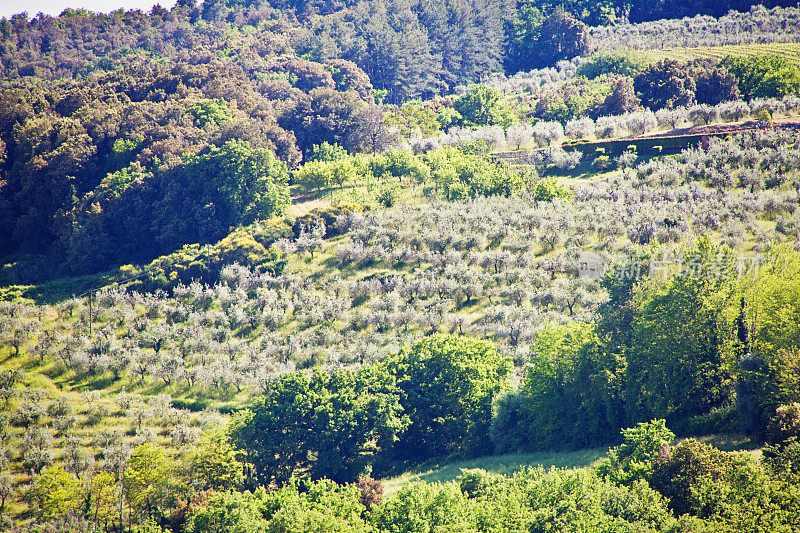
{"points": [[327, 266]]}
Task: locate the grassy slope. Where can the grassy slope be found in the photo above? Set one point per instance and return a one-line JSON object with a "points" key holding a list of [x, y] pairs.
{"points": [[444, 470], [320, 267]]}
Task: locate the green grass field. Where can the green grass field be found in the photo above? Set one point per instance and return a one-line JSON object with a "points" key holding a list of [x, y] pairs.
{"points": [[444, 471]]}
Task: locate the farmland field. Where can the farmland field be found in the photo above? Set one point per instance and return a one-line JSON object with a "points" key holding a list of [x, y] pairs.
{"points": [[790, 51]]}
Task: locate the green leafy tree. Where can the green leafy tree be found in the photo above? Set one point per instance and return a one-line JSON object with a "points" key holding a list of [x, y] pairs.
{"points": [[622, 98], [523, 31], [317, 506], [536, 41], [562, 37], [323, 115], [772, 321], [414, 118], [620, 62], [716, 85], [460, 175], [102, 495], [213, 463], [448, 385], [54, 493], [764, 76], [565, 399], [667, 83], [481, 105], [313, 175], [248, 183], [681, 361], [320, 424], [399, 164], [783, 460], [318, 173], [549, 189], [148, 479]]}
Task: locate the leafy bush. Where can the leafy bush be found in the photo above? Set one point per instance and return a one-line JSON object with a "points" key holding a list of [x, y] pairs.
{"points": [[729, 489], [448, 386], [549, 189], [620, 62], [321, 425], [633, 459], [783, 460]]}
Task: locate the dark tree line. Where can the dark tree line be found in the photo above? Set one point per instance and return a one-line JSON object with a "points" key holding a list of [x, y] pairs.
{"points": [[132, 163]]}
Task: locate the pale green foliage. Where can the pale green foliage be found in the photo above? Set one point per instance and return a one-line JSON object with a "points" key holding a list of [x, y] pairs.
{"points": [[213, 463], [773, 317], [327, 152], [147, 480], [54, 493], [633, 459], [321, 173]]}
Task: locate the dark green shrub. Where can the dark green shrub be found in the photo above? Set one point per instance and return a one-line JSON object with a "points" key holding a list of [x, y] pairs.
{"points": [[448, 386], [320, 424]]}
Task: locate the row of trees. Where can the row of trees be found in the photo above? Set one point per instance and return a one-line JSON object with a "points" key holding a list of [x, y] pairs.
{"points": [[619, 83], [543, 134], [745, 25], [406, 49], [451, 173], [702, 349]]}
